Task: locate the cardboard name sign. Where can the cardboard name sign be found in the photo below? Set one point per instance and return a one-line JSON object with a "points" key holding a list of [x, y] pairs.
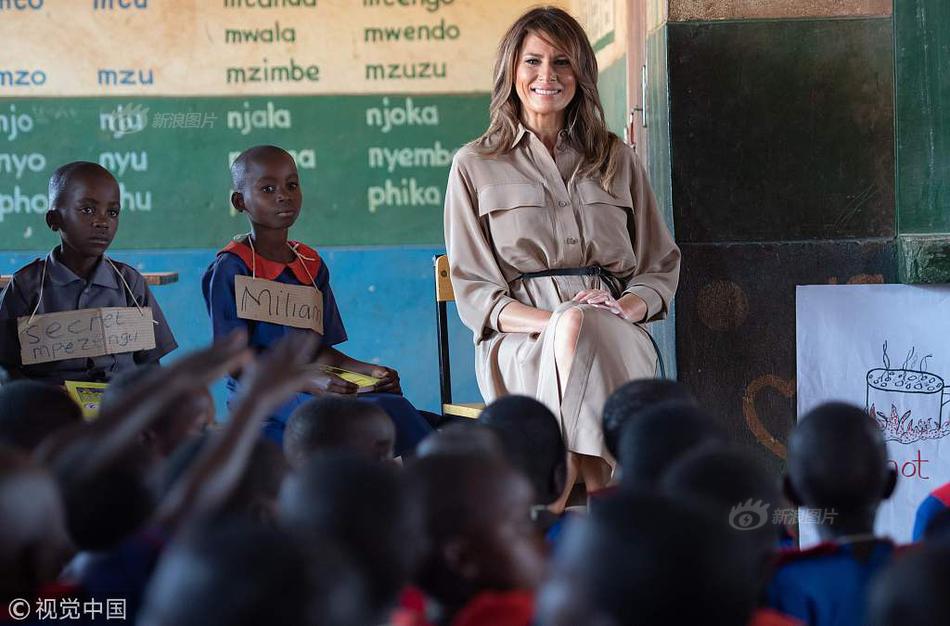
{"points": [[84, 333], [278, 303]]}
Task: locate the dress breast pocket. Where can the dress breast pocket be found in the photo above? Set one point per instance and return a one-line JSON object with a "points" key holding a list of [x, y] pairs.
{"points": [[605, 214], [517, 214]]}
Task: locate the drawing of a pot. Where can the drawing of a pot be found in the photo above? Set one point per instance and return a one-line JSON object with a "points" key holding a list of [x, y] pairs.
{"points": [[912, 396]]}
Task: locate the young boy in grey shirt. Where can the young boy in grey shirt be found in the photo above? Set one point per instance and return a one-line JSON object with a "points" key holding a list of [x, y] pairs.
{"points": [[84, 210]]}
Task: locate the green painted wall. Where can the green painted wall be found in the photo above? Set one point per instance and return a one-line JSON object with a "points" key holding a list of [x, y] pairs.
{"points": [[922, 60], [373, 168], [612, 85], [659, 166], [922, 32]]}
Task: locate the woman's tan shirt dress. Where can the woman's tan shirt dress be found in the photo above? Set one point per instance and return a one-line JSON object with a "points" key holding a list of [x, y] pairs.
{"points": [[526, 212]]}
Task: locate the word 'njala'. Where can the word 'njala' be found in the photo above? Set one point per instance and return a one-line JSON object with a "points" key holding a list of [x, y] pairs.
{"points": [[267, 118]]}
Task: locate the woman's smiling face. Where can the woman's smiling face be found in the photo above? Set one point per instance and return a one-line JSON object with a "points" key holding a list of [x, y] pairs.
{"points": [[544, 80]]}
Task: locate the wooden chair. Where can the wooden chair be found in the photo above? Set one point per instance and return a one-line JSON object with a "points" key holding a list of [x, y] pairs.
{"points": [[443, 295]]}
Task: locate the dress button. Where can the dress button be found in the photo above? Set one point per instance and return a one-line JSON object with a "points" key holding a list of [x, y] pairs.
{"points": [[562, 203], [571, 240]]}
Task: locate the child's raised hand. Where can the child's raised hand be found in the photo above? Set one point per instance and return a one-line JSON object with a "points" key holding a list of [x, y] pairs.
{"points": [[321, 383], [388, 379], [280, 371]]}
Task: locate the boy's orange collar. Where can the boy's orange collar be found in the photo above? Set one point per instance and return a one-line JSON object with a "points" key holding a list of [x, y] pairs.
{"points": [[307, 261]]}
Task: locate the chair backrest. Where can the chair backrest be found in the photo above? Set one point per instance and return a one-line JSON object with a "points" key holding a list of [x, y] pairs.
{"points": [[443, 284]]}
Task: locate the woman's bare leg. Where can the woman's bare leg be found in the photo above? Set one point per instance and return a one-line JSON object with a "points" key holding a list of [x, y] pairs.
{"points": [[566, 331], [557, 507], [565, 345], [595, 471]]}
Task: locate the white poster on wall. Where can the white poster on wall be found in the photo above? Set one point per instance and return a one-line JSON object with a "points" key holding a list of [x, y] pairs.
{"points": [[885, 348]]}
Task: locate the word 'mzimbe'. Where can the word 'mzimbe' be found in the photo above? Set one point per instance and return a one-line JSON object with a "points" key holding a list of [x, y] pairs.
{"points": [[277, 303]]}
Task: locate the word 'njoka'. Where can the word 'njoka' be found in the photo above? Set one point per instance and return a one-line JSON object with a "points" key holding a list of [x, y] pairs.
{"points": [[278, 303], [84, 333]]}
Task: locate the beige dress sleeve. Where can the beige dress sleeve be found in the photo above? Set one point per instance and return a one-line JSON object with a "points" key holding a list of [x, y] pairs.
{"points": [[656, 272], [481, 290]]}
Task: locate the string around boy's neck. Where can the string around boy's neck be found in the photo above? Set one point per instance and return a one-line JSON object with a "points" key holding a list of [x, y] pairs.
{"points": [[293, 248]]}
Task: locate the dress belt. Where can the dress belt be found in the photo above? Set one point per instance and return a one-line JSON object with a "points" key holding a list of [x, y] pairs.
{"points": [[592, 270], [615, 290]]}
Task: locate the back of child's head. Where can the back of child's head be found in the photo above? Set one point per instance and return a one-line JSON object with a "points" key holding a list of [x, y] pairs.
{"points": [[258, 491], [468, 437], [240, 573], [362, 507], [837, 460], [634, 397], [913, 589], [338, 423], [188, 417], [477, 526], [246, 160], [661, 435], [33, 541], [64, 175], [640, 558], [31, 410], [531, 438], [106, 506], [730, 484]]}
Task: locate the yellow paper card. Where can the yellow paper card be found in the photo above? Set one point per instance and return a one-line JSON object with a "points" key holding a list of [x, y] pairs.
{"points": [[87, 395]]}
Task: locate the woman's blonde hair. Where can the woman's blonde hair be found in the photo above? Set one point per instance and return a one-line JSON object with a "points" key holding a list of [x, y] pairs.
{"points": [[584, 117]]}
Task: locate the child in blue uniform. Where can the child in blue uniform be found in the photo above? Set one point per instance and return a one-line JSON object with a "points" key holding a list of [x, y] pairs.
{"points": [[837, 463], [267, 189]]}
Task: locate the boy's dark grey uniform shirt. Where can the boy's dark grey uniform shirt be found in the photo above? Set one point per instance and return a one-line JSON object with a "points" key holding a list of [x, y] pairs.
{"points": [[64, 291]]}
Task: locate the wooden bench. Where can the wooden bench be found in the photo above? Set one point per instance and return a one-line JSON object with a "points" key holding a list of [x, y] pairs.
{"points": [[153, 279]]}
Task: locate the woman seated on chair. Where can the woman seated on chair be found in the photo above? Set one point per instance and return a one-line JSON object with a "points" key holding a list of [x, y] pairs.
{"points": [[558, 253]]}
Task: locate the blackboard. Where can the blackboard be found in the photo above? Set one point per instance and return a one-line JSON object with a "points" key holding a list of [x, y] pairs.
{"points": [[373, 168]]}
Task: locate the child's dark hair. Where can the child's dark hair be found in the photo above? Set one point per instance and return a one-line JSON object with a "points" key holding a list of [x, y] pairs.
{"points": [[63, 175], [462, 497], [729, 483], [329, 422], [531, 438], [837, 459], [104, 507], [362, 507], [468, 437], [242, 162], [31, 410], [255, 495], [659, 436], [640, 558], [634, 397], [913, 589], [240, 573]]}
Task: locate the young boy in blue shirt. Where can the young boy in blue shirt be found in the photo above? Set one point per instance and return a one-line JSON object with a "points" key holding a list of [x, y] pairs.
{"points": [[84, 210], [267, 189], [837, 463]]}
